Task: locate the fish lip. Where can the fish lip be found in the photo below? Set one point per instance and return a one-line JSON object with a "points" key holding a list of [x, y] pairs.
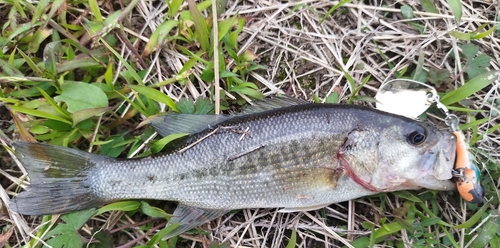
{"points": [[439, 162]]}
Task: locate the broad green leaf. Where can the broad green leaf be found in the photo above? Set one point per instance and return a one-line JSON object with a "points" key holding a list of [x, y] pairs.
{"points": [[84, 114], [477, 65], [158, 145], [66, 235], [469, 50], [200, 25], [488, 231], [207, 75], [185, 106], [456, 8], [495, 241], [38, 37], [474, 85], [204, 106], [39, 129], [39, 113], [156, 95], [79, 95], [51, 55], [119, 206], [361, 242], [104, 237]]}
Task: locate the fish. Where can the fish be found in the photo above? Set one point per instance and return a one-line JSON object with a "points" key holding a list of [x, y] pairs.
{"points": [[281, 153], [466, 172]]}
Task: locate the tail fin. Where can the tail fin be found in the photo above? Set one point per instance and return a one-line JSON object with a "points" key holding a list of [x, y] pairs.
{"points": [[60, 179]]}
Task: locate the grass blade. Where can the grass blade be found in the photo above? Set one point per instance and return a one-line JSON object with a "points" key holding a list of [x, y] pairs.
{"points": [[456, 8], [200, 25], [474, 85], [39, 114]]}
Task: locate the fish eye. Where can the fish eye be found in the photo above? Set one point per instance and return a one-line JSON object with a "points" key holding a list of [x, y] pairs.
{"points": [[416, 137]]}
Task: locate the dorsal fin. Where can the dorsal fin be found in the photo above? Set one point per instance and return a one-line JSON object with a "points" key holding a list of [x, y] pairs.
{"points": [[270, 103], [184, 123], [192, 123]]}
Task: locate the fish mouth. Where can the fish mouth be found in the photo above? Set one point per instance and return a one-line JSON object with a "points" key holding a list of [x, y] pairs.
{"points": [[437, 164]]}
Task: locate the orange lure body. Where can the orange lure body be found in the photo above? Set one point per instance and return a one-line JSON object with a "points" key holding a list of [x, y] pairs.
{"points": [[467, 173]]}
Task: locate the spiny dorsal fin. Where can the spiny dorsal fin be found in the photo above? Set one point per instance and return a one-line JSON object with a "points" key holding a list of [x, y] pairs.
{"points": [[192, 123], [184, 123], [273, 103]]}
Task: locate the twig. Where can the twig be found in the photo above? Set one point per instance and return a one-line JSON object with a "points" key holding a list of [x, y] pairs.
{"points": [[215, 32]]}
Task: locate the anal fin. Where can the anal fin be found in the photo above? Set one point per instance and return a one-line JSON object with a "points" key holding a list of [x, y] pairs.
{"points": [[190, 217]]}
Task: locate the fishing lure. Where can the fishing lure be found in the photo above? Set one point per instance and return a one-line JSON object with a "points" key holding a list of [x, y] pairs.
{"points": [[466, 172]]}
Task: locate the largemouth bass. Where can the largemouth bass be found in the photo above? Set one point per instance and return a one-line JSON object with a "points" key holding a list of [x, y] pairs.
{"points": [[299, 157]]}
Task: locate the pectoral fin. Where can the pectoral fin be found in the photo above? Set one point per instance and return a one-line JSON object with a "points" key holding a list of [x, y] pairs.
{"points": [[191, 217]]}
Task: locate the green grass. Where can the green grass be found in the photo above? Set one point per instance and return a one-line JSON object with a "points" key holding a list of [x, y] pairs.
{"points": [[82, 75]]}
